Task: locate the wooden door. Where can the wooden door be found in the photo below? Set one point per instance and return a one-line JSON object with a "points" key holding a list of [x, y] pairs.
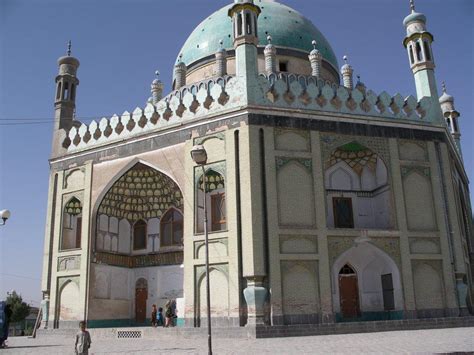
{"points": [[349, 295], [141, 295]]}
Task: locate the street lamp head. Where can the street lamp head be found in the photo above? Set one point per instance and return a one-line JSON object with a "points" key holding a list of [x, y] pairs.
{"points": [[4, 215], [199, 154]]}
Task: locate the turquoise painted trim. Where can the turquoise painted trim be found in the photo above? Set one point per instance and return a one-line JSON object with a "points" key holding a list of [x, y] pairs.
{"points": [[124, 323], [287, 27], [371, 316], [109, 323]]}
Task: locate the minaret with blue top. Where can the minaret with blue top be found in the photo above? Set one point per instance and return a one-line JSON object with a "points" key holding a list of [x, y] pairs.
{"points": [[451, 116], [418, 44], [244, 16]]}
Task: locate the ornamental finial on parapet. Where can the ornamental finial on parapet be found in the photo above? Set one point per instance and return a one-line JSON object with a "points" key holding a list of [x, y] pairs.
{"points": [[221, 60], [156, 89], [315, 59], [270, 56], [69, 45], [180, 72], [412, 5], [347, 72]]}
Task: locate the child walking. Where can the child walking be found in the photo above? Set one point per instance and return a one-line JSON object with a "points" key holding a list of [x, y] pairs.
{"points": [[160, 322], [83, 340]]}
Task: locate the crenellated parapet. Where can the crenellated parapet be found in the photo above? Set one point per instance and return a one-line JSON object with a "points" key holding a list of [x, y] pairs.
{"points": [[226, 94], [199, 100], [308, 93]]}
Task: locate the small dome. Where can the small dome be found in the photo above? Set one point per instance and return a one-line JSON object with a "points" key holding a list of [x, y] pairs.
{"points": [[288, 28], [446, 98], [414, 16]]}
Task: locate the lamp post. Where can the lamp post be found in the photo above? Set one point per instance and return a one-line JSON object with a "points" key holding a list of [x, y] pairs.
{"points": [[4, 215], [199, 156]]}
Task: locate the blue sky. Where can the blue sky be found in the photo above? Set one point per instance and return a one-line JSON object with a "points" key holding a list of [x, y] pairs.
{"points": [[121, 43]]}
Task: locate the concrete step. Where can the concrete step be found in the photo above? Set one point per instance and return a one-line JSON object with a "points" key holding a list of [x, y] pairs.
{"points": [[264, 331]]}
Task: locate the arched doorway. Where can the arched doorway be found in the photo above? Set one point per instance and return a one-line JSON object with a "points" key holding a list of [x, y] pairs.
{"points": [[141, 296], [378, 283], [349, 292]]}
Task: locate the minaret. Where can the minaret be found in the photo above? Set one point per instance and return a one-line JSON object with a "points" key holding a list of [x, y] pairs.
{"points": [[180, 73], [66, 84], [418, 44], [156, 89], [347, 72], [315, 58], [270, 57], [244, 16], [221, 60], [451, 116]]}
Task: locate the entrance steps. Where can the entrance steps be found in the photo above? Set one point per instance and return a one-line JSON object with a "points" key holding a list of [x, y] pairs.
{"points": [[266, 331]]}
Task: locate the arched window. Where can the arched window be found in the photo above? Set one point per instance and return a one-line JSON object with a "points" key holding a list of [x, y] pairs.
{"points": [[239, 24], [357, 189], [215, 201], [171, 228], [139, 235], [66, 91], [427, 50], [448, 122], [58, 92], [419, 54], [410, 50], [248, 23], [72, 225]]}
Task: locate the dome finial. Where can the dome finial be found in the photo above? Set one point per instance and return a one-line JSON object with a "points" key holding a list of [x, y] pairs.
{"points": [[412, 5], [69, 44]]}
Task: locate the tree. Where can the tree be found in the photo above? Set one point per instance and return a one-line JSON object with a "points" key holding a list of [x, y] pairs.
{"points": [[19, 309]]}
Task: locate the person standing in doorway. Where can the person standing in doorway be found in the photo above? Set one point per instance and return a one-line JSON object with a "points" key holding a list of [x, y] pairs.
{"points": [[83, 340]]}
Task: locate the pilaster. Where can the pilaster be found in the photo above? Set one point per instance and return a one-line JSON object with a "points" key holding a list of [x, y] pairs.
{"points": [[397, 185], [325, 274]]}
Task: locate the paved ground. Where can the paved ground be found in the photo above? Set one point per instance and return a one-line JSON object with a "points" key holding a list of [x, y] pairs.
{"points": [[414, 341]]}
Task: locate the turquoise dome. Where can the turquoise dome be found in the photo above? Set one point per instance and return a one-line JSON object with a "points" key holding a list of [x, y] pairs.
{"points": [[288, 28]]}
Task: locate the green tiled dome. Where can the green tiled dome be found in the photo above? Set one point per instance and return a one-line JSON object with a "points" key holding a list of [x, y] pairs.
{"points": [[287, 27]]}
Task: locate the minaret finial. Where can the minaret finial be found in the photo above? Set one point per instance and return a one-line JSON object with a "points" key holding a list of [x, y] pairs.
{"points": [[69, 44], [314, 43], [269, 39], [157, 73], [221, 44], [358, 78], [444, 86], [412, 5], [345, 58]]}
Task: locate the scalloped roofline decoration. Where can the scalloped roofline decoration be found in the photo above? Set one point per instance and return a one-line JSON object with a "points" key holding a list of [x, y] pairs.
{"points": [[226, 94]]}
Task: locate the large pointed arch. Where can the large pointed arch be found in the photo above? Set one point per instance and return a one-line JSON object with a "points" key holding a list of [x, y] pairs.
{"points": [[371, 264], [121, 172], [139, 192]]}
